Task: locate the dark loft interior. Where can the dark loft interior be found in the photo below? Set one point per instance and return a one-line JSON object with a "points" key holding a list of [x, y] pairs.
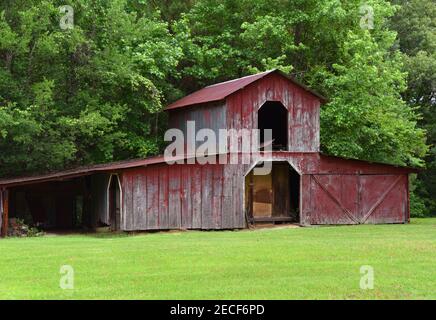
{"points": [[273, 115]]}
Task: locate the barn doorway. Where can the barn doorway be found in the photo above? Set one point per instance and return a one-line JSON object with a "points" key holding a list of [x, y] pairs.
{"points": [[273, 115], [53, 206], [274, 197], [114, 197], [73, 204]]}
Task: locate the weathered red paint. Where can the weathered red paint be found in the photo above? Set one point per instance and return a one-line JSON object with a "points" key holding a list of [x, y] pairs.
{"points": [[356, 199], [80, 172], [303, 110], [333, 190], [222, 90]]}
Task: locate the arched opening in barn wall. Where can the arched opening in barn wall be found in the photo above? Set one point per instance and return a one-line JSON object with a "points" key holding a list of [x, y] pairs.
{"points": [[273, 115], [273, 197], [114, 202]]}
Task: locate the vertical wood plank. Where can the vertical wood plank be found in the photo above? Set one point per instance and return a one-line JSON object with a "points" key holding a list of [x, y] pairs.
{"points": [[305, 203], [206, 194], [217, 195], [139, 221], [238, 207], [163, 197], [227, 209], [317, 128], [240, 195], [296, 134], [186, 220], [152, 199], [196, 196], [174, 210], [128, 201]]}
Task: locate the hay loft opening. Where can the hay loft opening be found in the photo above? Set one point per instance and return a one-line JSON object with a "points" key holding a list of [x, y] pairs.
{"points": [[273, 115], [274, 197]]}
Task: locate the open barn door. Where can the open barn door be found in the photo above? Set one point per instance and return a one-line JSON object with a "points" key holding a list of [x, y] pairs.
{"points": [[274, 197]]}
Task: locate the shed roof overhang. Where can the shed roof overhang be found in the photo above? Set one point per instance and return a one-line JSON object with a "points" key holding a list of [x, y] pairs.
{"points": [[80, 172], [135, 163]]}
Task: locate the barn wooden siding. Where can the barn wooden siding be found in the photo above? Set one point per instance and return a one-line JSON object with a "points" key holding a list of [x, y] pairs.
{"points": [[303, 110], [211, 196], [355, 199], [156, 195], [340, 191], [207, 116], [182, 196], [239, 111]]}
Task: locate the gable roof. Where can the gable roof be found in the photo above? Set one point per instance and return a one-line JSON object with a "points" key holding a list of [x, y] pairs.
{"points": [[222, 90]]}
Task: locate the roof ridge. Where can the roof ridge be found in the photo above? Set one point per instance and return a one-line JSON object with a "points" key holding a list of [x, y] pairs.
{"points": [[244, 77], [220, 91]]}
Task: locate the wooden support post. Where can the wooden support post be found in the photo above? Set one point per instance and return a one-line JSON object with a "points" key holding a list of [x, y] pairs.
{"points": [[251, 196], [1, 211], [407, 216], [5, 213]]}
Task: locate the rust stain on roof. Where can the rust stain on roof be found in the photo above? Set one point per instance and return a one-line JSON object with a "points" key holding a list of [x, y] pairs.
{"points": [[220, 91], [81, 171]]}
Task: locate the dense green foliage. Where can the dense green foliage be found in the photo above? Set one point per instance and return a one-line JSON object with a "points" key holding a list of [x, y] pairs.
{"points": [[280, 263], [89, 94], [94, 93], [415, 23]]}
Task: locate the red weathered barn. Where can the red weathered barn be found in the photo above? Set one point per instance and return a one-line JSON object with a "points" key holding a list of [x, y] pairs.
{"points": [[304, 186]]}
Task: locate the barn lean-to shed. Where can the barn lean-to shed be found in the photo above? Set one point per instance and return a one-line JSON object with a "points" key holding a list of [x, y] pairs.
{"points": [[304, 186]]}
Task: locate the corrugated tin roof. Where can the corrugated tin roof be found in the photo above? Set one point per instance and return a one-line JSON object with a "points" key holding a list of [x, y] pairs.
{"points": [[81, 171], [402, 167], [127, 164], [220, 91]]}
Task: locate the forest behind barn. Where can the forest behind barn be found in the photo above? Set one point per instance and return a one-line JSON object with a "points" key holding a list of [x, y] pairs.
{"points": [[94, 93]]}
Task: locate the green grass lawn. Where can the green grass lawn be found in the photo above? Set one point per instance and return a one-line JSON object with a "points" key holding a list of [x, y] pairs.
{"points": [[288, 263]]}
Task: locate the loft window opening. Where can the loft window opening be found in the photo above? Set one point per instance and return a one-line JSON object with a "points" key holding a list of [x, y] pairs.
{"points": [[273, 115]]}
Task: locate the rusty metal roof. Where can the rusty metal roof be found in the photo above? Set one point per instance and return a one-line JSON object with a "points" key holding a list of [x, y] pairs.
{"points": [[408, 169], [135, 163], [220, 91], [81, 171]]}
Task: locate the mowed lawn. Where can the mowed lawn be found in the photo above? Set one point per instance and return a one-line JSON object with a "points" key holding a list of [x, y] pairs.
{"points": [[280, 263]]}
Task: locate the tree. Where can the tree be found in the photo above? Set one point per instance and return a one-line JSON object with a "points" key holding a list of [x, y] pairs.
{"points": [[94, 93], [82, 95], [415, 23], [322, 44]]}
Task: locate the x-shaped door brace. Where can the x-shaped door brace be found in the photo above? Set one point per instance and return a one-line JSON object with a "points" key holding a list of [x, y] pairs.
{"points": [[348, 212]]}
